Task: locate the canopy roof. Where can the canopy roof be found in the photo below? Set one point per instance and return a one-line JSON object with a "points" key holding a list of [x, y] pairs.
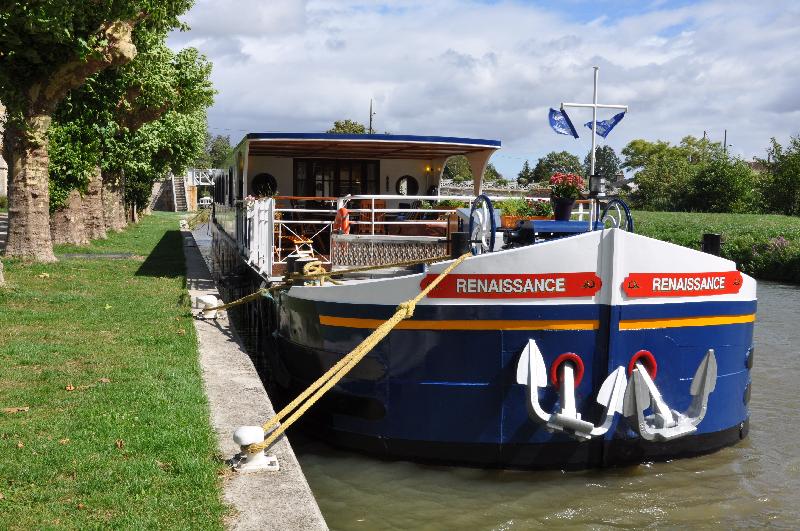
{"points": [[348, 146]]}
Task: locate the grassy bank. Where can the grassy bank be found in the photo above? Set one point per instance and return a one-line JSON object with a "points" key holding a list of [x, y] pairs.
{"points": [[103, 419], [764, 246]]}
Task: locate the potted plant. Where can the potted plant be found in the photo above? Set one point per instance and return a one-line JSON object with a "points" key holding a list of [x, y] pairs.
{"points": [[565, 188], [515, 210], [541, 209]]}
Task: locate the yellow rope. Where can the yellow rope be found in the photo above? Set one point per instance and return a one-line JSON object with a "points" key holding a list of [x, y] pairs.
{"points": [[237, 302], [362, 269], [316, 271], [310, 396]]}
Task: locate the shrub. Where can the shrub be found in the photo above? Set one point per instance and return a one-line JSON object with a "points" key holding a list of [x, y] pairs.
{"points": [[763, 246], [514, 206]]}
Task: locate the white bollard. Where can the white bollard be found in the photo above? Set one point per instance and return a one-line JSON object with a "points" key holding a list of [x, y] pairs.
{"points": [[207, 301], [244, 436]]}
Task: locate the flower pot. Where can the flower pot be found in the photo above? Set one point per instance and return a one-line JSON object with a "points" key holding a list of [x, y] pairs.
{"points": [[562, 207], [510, 222]]}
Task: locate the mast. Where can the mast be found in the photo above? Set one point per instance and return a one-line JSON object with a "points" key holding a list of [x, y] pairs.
{"points": [[371, 114], [594, 119], [593, 157]]}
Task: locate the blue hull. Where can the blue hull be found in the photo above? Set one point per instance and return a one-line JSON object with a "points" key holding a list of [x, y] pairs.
{"points": [[451, 395]]}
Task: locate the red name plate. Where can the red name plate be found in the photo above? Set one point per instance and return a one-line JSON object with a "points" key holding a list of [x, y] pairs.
{"points": [[494, 286], [681, 284]]}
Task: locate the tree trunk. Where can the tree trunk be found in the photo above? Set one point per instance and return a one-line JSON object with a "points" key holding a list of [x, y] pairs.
{"points": [[113, 202], [29, 197], [29, 210], [67, 223], [93, 207]]}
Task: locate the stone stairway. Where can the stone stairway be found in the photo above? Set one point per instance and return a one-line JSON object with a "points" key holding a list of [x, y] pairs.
{"points": [[180, 194]]}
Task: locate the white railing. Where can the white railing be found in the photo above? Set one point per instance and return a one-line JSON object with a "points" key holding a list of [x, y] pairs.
{"points": [[203, 176], [270, 235], [260, 242]]}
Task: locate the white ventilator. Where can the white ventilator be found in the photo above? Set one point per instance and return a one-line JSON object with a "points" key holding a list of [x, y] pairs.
{"points": [[664, 424], [531, 372]]}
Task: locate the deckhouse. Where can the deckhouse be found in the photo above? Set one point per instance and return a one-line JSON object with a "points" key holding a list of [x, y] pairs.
{"points": [[279, 195]]}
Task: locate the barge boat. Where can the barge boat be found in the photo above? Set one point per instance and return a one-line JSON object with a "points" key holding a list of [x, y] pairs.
{"points": [[560, 344]]}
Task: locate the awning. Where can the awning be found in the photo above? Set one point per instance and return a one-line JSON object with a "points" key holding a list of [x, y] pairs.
{"points": [[347, 146]]}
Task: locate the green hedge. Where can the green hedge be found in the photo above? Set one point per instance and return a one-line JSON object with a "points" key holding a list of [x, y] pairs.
{"points": [[763, 246]]}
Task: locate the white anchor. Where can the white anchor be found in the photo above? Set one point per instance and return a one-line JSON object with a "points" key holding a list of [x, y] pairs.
{"points": [[664, 423], [531, 371]]}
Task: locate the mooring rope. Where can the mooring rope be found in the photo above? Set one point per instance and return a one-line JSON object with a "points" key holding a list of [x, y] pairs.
{"points": [[324, 383], [316, 271]]}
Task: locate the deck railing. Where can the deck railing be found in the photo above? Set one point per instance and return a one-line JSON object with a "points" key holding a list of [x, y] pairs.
{"points": [[271, 230]]}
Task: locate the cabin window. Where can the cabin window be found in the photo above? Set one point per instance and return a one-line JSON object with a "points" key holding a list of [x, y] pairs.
{"points": [[264, 184], [335, 177], [407, 185]]}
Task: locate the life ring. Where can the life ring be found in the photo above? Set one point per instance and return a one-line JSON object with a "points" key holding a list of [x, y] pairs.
{"points": [[342, 221]]}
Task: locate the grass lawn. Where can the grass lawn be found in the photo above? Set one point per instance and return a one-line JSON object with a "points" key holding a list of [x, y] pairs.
{"points": [[765, 246], [103, 419]]}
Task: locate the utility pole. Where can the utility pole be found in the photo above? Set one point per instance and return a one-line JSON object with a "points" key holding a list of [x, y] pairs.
{"points": [[725, 141], [371, 114]]}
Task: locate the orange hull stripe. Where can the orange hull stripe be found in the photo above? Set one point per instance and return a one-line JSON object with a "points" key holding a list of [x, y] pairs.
{"points": [[352, 322], [717, 320]]}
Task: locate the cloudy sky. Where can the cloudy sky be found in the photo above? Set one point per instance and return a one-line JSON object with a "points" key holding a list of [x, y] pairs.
{"points": [[492, 69]]}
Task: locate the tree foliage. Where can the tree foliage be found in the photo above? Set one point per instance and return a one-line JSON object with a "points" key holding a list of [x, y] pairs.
{"points": [[105, 115], [47, 45], [607, 162], [47, 49], [525, 175], [218, 148], [696, 175], [780, 183], [458, 169], [170, 144], [556, 162], [348, 127]]}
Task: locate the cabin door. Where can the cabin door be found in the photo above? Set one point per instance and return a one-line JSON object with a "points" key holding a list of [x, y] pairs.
{"points": [[322, 174]]}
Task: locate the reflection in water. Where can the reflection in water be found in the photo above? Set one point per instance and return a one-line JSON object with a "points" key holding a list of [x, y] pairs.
{"points": [[754, 483]]}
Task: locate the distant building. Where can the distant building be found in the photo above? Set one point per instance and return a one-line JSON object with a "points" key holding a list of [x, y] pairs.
{"points": [[757, 166]]}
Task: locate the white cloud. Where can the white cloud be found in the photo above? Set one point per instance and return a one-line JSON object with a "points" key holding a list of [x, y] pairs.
{"points": [[491, 70]]}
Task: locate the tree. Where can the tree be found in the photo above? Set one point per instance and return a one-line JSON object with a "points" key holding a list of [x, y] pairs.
{"points": [[170, 144], [48, 48], [663, 182], [722, 184], [525, 175], [348, 127], [219, 149], [111, 106], [639, 151], [606, 164], [458, 169], [556, 161], [780, 185]]}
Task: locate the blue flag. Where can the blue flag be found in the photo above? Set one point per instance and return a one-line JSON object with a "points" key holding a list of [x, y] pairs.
{"points": [[605, 126], [561, 123]]}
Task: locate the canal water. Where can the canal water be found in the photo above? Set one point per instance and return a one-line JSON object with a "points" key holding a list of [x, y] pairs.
{"points": [[753, 484]]}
